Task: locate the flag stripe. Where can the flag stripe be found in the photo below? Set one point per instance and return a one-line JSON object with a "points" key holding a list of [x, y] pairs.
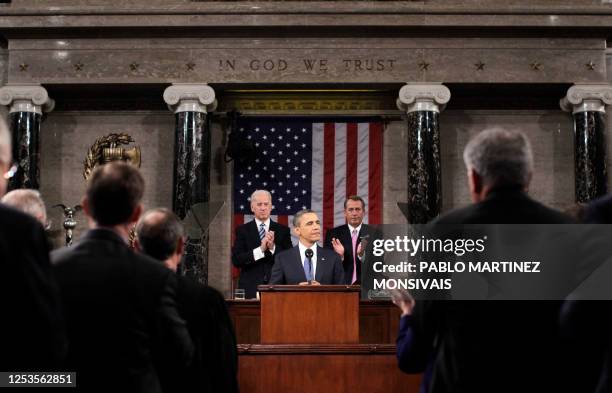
{"points": [[375, 171], [284, 220], [363, 157], [351, 159], [310, 164], [238, 220], [328, 176], [340, 178], [317, 168]]}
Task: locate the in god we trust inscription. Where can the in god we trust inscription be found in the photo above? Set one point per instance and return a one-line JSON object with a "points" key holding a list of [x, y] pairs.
{"points": [[308, 65]]}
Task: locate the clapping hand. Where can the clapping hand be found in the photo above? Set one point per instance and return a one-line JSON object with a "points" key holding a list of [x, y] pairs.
{"points": [[338, 247], [267, 243], [403, 300], [361, 247], [270, 236]]}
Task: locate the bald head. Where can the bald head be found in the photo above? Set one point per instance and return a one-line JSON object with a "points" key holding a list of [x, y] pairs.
{"points": [[29, 202], [160, 233]]}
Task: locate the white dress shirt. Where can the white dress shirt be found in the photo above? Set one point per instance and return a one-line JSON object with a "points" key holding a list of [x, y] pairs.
{"points": [[303, 249], [257, 253]]}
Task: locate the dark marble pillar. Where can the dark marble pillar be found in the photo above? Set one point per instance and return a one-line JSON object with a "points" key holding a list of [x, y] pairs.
{"points": [[587, 104], [424, 175], [25, 129], [422, 104], [591, 179], [191, 162], [191, 184], [26, 106]]}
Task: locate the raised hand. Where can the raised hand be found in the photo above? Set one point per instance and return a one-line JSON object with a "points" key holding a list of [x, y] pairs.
{"points": [[361, 247], [338, 247]]}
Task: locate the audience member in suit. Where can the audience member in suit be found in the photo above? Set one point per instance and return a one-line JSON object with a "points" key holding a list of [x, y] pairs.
{"points": [[599, 211], [256, 243], [33, 336], [29, 202], [350, 240], [214, 369], [586, 325], [294, 266], [487, 346], [120, 306]]}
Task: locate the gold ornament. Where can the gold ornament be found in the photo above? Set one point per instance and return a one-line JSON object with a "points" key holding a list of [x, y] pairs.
{"points": [[105, 149]]}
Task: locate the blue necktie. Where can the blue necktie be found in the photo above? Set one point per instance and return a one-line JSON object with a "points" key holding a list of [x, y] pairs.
{"points": [[308, 269], [262, 231]]}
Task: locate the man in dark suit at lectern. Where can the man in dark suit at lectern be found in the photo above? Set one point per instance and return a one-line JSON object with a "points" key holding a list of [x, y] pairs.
{"points": [[350, 240], [256, 243], [307, 263]]}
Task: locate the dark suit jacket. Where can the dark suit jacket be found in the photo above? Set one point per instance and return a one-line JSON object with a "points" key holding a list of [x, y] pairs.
{"points": [[486, 346], [343, 234], [33, 336], [215, 362], [586, 325], [599, 211], [252, 272], [289, 270], [120, 314]]}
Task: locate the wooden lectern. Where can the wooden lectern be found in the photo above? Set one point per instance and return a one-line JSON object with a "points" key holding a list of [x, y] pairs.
{"points": [[309, 314], [309, 342]]}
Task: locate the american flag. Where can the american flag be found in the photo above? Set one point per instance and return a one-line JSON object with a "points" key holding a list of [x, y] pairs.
{"points": [[312, 164]]}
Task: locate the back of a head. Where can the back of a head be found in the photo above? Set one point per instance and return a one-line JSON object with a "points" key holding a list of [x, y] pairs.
{"points": [[502, 158], [28, 201], [113, 193], [158, 232]]}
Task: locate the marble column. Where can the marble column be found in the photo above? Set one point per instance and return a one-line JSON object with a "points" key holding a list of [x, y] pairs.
{"points": [[587, 103], [191, 185], [26, 105], [423, 103]]}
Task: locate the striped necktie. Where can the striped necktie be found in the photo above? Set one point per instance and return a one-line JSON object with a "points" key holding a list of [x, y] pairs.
{"points": [[262, 231]]}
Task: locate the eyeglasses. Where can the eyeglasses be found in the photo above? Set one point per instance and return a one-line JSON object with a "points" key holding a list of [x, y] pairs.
{"points": [[11, 172]]}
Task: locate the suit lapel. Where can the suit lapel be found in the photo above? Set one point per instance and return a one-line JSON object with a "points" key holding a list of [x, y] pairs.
{"points": [[254, 232], [349, 240], [364, 231], [321, 263], [297, 257]]}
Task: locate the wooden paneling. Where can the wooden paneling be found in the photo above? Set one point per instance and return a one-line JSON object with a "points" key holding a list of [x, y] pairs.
{"points": [[246, 315], [309, 315], [378, 321], [320, 368]]}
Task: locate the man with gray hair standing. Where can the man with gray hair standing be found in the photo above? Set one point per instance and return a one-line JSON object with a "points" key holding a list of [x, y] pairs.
{"points": [[486, 346], [33, 336], [29, 202], [256, 244]]}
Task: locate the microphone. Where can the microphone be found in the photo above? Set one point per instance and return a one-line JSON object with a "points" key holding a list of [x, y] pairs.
{"points": [[309, 254]]}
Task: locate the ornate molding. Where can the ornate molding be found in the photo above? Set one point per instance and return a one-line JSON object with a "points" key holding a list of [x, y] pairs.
{"points": [[423, 97], [26, 98], [184, 97], [587, 98]]}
